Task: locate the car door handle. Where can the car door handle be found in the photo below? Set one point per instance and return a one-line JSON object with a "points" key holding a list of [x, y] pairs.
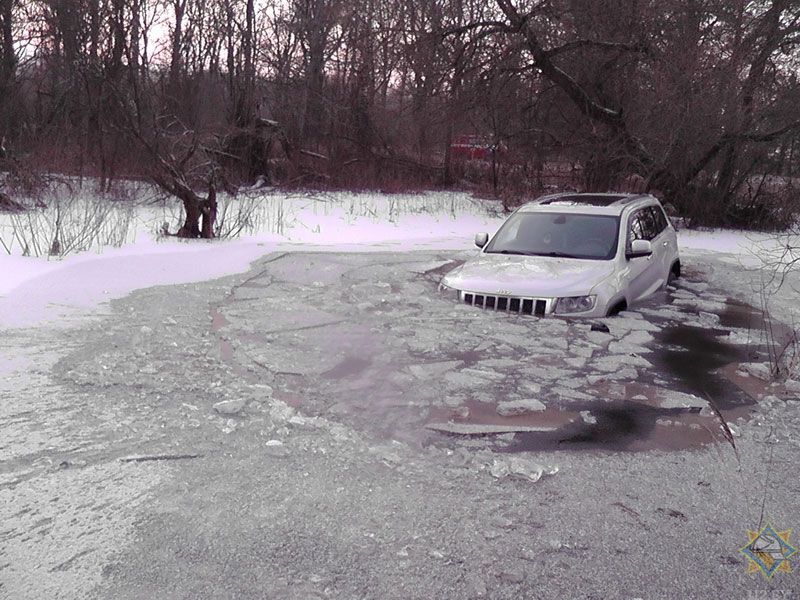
{"points": [[666, 243]]}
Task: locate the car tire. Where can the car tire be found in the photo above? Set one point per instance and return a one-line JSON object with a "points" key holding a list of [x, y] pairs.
{"points": [[674, 273], [617, 308]]}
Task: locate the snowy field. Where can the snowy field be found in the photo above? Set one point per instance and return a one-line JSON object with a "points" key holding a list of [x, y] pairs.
{"points": [[106, 251], [126, 251], [301, 376]]}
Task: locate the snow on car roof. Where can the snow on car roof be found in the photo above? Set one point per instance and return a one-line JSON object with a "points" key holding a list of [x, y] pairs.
{"points": [[590, 203]]}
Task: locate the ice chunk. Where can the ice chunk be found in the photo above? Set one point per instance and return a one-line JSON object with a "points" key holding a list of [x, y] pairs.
{"points": [[638, 338], [697, 286], [230, 407], [627, 373], [547, 373], [517, 407], [576, 361], [630, 322], [572, 394], [624, 347], [673, 399], [617, 362], [471, 378], [599, 338], [708, 318], [529, 387], [521, 468], [573, 382], [759, 370]]}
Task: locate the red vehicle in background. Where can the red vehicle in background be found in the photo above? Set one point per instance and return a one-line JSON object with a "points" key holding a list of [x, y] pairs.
{"points": [[475, 147]]}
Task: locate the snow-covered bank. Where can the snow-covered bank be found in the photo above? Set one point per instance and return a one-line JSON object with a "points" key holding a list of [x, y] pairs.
{"points": [[46, 289], [39, 289]]}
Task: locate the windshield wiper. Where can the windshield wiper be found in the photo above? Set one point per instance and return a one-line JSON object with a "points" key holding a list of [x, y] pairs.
{"points": [[522, 252], [560, 255], [531, 253]]}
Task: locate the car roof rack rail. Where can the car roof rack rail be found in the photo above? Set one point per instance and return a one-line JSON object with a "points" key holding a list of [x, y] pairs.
{"points": [[590, 199]]}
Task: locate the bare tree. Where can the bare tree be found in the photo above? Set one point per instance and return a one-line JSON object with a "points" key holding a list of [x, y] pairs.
{"points": [[8, 69]]}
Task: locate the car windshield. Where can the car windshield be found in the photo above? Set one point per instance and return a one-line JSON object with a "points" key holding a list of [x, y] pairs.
{"points": [[559, 235]]}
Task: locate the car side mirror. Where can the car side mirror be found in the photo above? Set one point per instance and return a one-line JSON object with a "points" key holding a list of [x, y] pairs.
{"points": [[481, 239], [639, 248]]}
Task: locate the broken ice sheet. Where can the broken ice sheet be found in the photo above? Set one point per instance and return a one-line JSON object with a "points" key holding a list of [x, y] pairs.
{"points": [[666, 312], [696, 286], [466, 379], [498, 363], [616, 362], [547, 373], [624, 347], [620, 325], [434, 369]]}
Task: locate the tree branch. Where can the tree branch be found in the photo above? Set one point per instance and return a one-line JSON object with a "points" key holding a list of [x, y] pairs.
{"points": [[570, 46], [492, 26]]}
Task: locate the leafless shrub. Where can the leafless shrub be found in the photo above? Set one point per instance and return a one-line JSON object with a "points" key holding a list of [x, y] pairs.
{"points": [[69, 222], [241, 215], [779, 259]]}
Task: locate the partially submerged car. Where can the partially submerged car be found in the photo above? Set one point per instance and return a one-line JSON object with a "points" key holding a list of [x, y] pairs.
{"points": [[577, 255]]}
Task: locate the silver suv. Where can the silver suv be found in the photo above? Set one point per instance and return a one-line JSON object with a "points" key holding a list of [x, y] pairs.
{"points": [[580, 255]]}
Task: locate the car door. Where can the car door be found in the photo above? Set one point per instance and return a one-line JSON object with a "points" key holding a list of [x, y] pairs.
{"points": [[643, 273], [665, 243]]}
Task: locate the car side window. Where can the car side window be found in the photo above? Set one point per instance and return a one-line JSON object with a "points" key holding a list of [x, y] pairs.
{"points": [[640, 227], [659, 219]]}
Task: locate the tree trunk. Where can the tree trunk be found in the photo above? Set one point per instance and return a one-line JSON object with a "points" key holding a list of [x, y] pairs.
{"points": [[208, 208], [191, 224], [199, 210]]}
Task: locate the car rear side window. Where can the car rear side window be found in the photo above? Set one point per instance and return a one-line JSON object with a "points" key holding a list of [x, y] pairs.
{"points": [[659, 218]]}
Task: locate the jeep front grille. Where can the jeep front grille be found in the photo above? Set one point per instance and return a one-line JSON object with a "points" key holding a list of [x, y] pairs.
{"points": [[509, 304]]}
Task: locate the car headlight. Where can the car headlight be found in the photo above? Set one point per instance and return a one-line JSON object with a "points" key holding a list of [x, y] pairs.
{"points": [[575, 304]]}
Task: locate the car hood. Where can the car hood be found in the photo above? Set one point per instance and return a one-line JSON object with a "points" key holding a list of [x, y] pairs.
{"points": [[537, 276]]}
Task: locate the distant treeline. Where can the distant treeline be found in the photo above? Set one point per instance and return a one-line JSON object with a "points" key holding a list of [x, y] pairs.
{"points": [[696, 100]]}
